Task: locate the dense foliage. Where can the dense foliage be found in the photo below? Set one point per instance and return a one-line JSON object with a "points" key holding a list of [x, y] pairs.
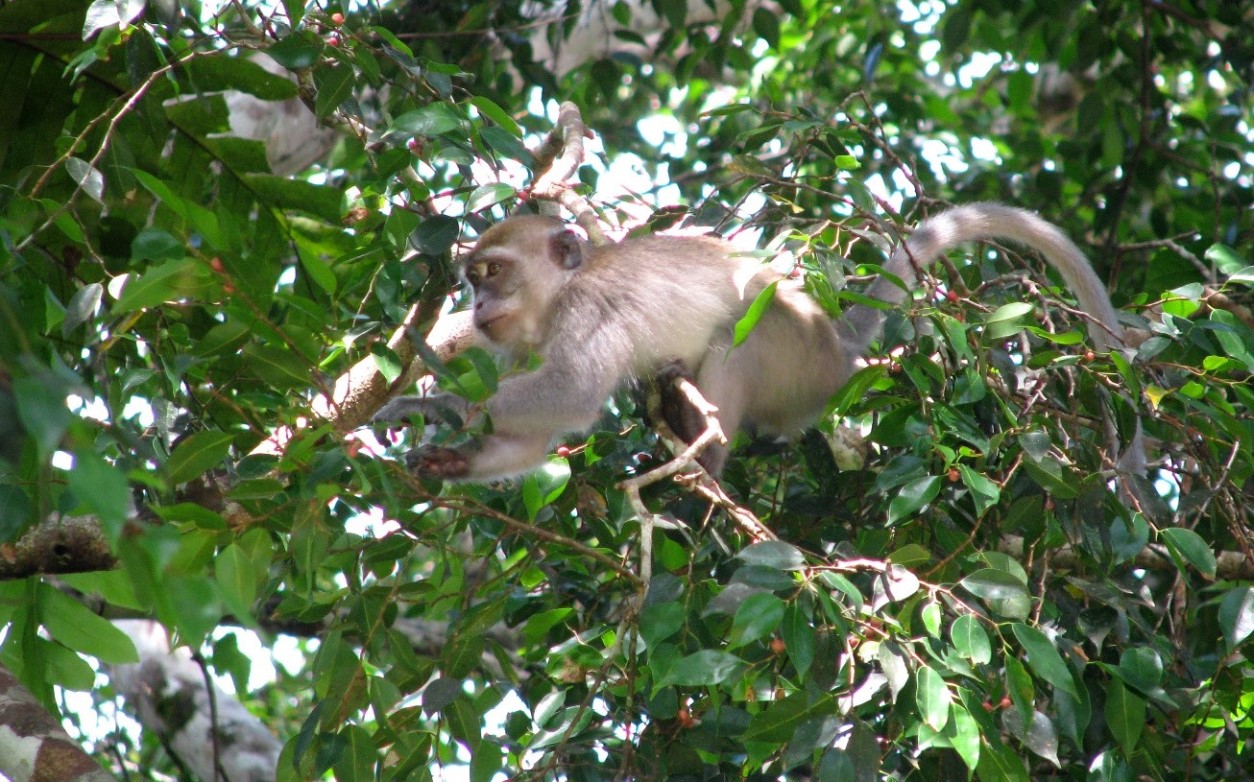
{"points": [[969, 591]]}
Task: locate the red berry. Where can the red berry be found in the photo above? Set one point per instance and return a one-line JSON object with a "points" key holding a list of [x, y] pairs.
{"points": [[215, 263], [337, 18], [684, 717], [563, 451], [333, 40], [777, 646]]}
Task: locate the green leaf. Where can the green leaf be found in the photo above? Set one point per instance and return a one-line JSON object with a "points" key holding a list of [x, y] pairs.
{"points": [[660, 621], [766, 25], [195, 455], [200, 115], [65, 668], [436, 234], [992, 584], [1141, 667], [773, 554], [1039, 735], [233, 569], [154, 244], [82, 307], [17, 512], [895, 666], [462, 654], [71, 623], [799, 638], [485, 762], [984, 492], [779, 721], [932, 697], [42, 412], [1186, 545], [963, 733], [281, 369], [88, 178], [321, 201], [1230, 263], [440, 692], [1045, 468], [430, 121], [1236, 615], [185, 278], [912, 498], [701, 669], [1007, 320], [335, 85], [893, 586], [202, 220], [1006, 593], [486, 196], [544, 485], [506, 145], [1019, 685], [495, 113], [1125, 715], [757, 617], [102, 488], [1044, 659], [228, 71], [300, 49], [757, 309], [970, 640], [357, 759], [999, 763], [102, 14], [932, 614]]}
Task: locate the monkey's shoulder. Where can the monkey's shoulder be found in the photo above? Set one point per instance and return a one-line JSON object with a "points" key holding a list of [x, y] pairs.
{"points": [[665, 248]]}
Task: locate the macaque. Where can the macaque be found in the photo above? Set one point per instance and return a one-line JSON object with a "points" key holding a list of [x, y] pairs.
{"points": [[600, 316]]}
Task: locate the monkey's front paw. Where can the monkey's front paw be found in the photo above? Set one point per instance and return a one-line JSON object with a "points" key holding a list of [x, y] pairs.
{"points": [[401, 408], [430, 461]]}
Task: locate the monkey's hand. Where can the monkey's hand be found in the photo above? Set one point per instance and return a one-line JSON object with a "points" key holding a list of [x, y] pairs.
{"points": [[431, 461], [445, 406]]}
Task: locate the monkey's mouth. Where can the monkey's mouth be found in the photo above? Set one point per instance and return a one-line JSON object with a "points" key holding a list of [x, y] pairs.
{"points": [[492, 324]]}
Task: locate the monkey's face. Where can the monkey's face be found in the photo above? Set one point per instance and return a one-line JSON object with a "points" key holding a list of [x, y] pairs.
{"points": [[498, 297], [517, 270]]}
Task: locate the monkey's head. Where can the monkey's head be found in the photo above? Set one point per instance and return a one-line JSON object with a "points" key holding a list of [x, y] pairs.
{"points": [[517, 270]]}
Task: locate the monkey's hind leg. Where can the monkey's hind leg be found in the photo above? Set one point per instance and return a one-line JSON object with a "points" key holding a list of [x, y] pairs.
{"points": [[684, 419]]}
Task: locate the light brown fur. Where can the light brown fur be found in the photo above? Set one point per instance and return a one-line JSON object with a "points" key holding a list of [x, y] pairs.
{"points": [[599, 316]]}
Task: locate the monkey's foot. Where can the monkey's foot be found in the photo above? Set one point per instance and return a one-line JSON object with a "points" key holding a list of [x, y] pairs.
{"points": [[430, 461], [673, 370]]}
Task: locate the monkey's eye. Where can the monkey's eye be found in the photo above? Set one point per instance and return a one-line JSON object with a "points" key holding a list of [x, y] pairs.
{"points": [[494, 269], [472, 277]]}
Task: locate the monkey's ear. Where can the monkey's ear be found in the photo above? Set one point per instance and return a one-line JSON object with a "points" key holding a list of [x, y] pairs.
{"points": [[565, 247]]}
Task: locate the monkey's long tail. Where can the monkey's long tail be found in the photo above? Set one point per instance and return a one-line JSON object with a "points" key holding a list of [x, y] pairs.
{"points": [[984, 222]]}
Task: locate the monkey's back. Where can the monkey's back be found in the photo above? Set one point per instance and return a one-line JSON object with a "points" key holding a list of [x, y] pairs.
{"points": [[667, 296]]}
